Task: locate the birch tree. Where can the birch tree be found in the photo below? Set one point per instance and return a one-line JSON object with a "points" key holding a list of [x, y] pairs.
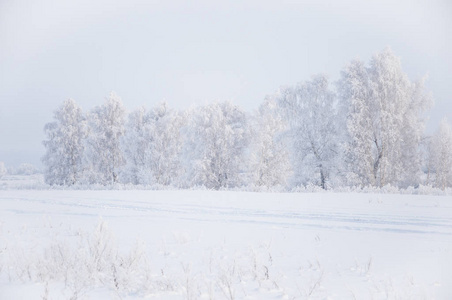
{"points": [[309, 109], [384, 121], [152, 146], [270, 162], [441, 155], [361, 158], [216, 139], [64, 145], [106, 130], [136, 144]]}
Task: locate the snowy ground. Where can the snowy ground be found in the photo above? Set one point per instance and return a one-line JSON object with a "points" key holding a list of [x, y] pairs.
{"points": [[224, 245]]}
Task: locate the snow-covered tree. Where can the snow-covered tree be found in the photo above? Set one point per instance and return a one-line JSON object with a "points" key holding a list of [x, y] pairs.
{"points": [[216, 138], [152, 145], [64, 145], [105, 156], [136, 143], [413, 133], [270, 163], [360, 157], [384, 121], [309, 109], [2, 169], [441, 155], [166, 144]]}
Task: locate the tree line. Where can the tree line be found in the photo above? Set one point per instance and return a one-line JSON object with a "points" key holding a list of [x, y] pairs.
{"points": [[366, 129]]}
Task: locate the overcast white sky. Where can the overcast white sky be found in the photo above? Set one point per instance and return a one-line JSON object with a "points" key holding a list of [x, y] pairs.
{"points": [[188, 52]]}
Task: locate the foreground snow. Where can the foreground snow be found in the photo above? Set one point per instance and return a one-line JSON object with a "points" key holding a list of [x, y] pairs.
{"points": [[224, 245]]}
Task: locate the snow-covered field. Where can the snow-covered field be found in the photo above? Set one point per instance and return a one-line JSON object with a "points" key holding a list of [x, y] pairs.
{"points": [[223, 245]]}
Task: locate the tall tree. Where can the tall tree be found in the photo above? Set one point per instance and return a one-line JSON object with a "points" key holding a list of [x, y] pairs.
{"points": [[441, 155], [166, 144], [65, 148], [384, 118], [216, 138], [309, 109], [106, 129], [270, 162], [136, 144], [356, 111], [152, 145]]}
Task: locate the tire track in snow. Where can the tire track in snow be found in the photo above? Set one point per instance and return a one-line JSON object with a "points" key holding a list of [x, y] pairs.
{"points": [[276, 218]]}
